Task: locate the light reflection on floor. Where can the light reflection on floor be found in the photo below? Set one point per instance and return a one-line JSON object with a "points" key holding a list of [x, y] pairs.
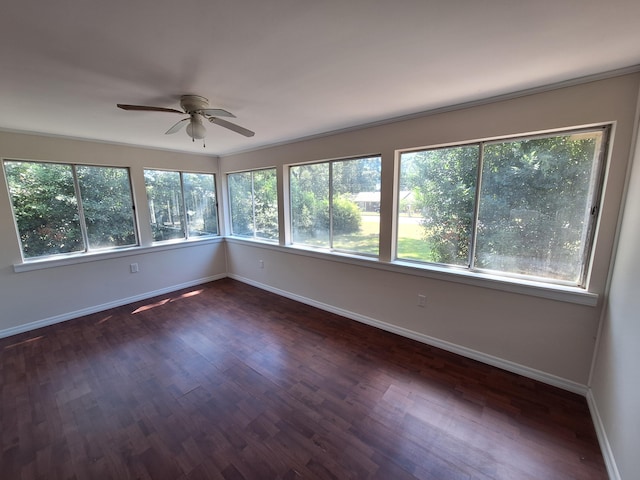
{"points": [[166, 300], [25, 342]]}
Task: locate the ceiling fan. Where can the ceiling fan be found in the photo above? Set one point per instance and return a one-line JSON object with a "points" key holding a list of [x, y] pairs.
{"points": [[197, 108]]}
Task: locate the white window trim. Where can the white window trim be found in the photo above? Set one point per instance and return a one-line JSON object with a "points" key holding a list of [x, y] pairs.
{"points": [[507, 278], [82, 224], [288, 210], [227, 193], [62, 260], [181, 173]]}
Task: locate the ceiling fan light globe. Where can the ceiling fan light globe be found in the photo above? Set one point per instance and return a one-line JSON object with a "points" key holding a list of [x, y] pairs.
{"points": [[196, 130]]}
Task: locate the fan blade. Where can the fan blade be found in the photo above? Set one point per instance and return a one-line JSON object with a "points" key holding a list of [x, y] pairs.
{"points": [[216, 112], [177, 126], [232, 126], [144, 108]]}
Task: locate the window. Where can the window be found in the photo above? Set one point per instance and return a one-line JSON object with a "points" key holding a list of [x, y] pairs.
{"points": [[253, 200], [62, 208], [522, 207], [181, 205], [336, 205]]}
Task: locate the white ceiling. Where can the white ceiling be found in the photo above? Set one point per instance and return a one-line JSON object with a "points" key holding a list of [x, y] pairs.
{"points": [[288, 68]]}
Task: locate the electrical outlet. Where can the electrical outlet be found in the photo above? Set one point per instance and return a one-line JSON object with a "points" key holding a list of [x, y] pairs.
{"points": [[134, 268], [422, 300], [261, 263]]}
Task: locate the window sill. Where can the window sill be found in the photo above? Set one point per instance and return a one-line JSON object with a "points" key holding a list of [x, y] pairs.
{"points": [[523, 287], [78, 258], [247, 238], [515, 285]]}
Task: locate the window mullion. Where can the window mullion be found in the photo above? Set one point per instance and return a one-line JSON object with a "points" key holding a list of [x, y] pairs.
{"points": [[81, 217], [253, 206], [330, 205], [476, 209], [185, 220]]}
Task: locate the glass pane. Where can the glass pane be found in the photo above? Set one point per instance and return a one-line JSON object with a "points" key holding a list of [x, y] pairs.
{"points": [[107, 206], [45, 208], [200, 202], [535, 204], [356, 205], [265, 203], [165, 204], [436, 198], [310, 204], [241, 204]]}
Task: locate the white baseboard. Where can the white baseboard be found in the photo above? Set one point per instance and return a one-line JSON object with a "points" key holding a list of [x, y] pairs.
{"points": [[105, 306], [426, 339], [605, 446]]}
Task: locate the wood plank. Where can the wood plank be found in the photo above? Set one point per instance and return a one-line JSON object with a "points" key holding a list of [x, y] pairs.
{"points": [[226, 381]]}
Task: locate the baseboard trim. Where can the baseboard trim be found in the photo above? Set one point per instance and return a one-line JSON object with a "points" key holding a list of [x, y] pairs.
{"points": [[428, 340], [605, 446], [105, 306]]}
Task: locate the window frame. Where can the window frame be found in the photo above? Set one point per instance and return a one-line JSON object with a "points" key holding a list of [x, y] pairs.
{"points": [[330, 249], [188, 226], [82, 219], [183, 207], [253, 235], [595, 199]]}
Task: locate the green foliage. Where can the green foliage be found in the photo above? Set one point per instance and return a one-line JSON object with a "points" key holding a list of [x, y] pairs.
{"points": [[317, 214], [199, 193], [107, 206], [533, 205], [167, 194], [345, 216], [241, 203], [254, 203], [309, 187], [311, 214], [443, 182], [358, 175], [164, 195], [46, 207], [265, 204]]}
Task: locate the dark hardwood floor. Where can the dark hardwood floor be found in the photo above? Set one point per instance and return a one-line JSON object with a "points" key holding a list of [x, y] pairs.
{"points": [[226, 381]]}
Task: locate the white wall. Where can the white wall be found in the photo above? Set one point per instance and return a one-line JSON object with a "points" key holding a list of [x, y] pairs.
{"points": [[616, 380], [550, 338], [537, 336], [38, 297]]}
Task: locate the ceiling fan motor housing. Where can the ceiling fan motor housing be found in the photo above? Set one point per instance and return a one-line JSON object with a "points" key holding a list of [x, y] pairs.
{"points": [[193, 103]]}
